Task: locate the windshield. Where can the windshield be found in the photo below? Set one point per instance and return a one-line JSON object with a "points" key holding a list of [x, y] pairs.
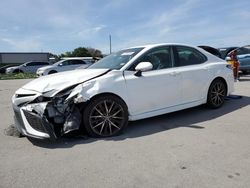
{"points": [[116, 60]]}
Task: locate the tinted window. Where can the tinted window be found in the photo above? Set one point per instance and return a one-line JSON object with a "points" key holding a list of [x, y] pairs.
{"points": [[31, 64], [39, 63], [64, 63], [77, 62], [224, 51], [43, 63], [159, 57], [188, 56]]}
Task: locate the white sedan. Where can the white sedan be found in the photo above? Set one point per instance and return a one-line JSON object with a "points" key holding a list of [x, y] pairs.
{"points": [[64, 65], [132, 84]]}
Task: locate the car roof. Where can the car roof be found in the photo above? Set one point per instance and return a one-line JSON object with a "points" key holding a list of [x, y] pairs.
{"points": [[161, 44]]}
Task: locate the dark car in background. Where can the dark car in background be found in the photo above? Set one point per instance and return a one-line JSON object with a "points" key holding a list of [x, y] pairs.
{"points": [[3, 68], [212, 50], [243, 55], [225, 51]]}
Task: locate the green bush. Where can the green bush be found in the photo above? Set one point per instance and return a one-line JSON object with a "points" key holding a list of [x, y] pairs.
{"points": [[17, 76]]}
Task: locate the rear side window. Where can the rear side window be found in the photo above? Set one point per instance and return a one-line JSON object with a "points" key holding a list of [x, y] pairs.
{"points": [[40, 63], [77, 62], [65, 63], [31, 64], [188, 56]]}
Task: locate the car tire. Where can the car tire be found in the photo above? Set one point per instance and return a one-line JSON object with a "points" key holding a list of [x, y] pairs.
{"points": [[105, 116], [52, 72], [17, 71], [216, 94]]}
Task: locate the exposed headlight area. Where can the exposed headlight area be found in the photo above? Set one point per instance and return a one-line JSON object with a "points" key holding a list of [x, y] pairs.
{"points": [[43, 116]]}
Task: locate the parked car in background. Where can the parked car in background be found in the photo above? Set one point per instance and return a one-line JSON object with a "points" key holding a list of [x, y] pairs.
{"points": [[28, 67], [225, 51], [64, 65], [86, 59], [243, 55], [128, 85], [3, 68]]}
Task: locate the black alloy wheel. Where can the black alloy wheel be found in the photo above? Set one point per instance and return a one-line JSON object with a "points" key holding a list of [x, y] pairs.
{"points": [[17, 71], [105, 116], [216, 94]]}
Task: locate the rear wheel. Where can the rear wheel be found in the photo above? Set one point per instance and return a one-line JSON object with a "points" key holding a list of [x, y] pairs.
{"points": [[216, 94], [105, 116], [17, 71]]}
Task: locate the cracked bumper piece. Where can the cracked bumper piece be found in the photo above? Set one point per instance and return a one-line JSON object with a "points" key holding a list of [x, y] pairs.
{"points": [[33, 125]]}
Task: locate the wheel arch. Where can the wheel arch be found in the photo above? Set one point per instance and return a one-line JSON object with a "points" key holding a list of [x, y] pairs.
{"points": [[218, 78], [18, 70], [108, 94]]}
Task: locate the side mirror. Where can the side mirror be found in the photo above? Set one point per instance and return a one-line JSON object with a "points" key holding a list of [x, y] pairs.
{"points": [[143, 67], [228, 59], [60, 64]]}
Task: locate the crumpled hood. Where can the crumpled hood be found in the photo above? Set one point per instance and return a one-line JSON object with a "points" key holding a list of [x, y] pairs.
{"points": [[60, 81]]}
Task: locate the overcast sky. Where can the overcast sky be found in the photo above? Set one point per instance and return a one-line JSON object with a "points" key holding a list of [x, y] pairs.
{"points": [[61, 25]]}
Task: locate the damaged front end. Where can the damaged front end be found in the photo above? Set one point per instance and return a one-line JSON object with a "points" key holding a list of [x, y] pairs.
{"points": [[48, 117]]}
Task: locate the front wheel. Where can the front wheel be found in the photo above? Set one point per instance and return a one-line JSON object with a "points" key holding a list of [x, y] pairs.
{"points": [[216, 94], [52, 72], [105, 116], [17, 71]]}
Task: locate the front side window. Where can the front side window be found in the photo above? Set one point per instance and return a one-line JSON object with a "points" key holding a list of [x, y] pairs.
{"points": [[116, 60], [159, 57], [64, 63], [188, 56]]}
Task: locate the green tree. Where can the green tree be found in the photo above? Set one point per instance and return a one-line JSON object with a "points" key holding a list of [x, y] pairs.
{"points": [[80, 52], [83, 52], [94, 52]]}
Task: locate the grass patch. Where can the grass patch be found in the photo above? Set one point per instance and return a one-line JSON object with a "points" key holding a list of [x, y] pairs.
{"points": [[17, 76]]}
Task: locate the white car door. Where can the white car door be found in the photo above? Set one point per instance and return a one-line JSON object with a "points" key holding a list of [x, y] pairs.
{"points": [[190, 64], [156, 89]]}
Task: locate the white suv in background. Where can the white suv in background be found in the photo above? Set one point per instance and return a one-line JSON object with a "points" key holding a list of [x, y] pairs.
{"points": [[64, 65]]}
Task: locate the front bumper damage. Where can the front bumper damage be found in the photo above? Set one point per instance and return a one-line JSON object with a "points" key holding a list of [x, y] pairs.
{"points": [[47, 120]]}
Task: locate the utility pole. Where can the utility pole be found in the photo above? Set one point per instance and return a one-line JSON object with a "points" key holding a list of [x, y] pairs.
{"points": [[110, 45]]}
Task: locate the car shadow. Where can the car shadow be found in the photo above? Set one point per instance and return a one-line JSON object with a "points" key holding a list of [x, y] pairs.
{"points": [[189, 118]]}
